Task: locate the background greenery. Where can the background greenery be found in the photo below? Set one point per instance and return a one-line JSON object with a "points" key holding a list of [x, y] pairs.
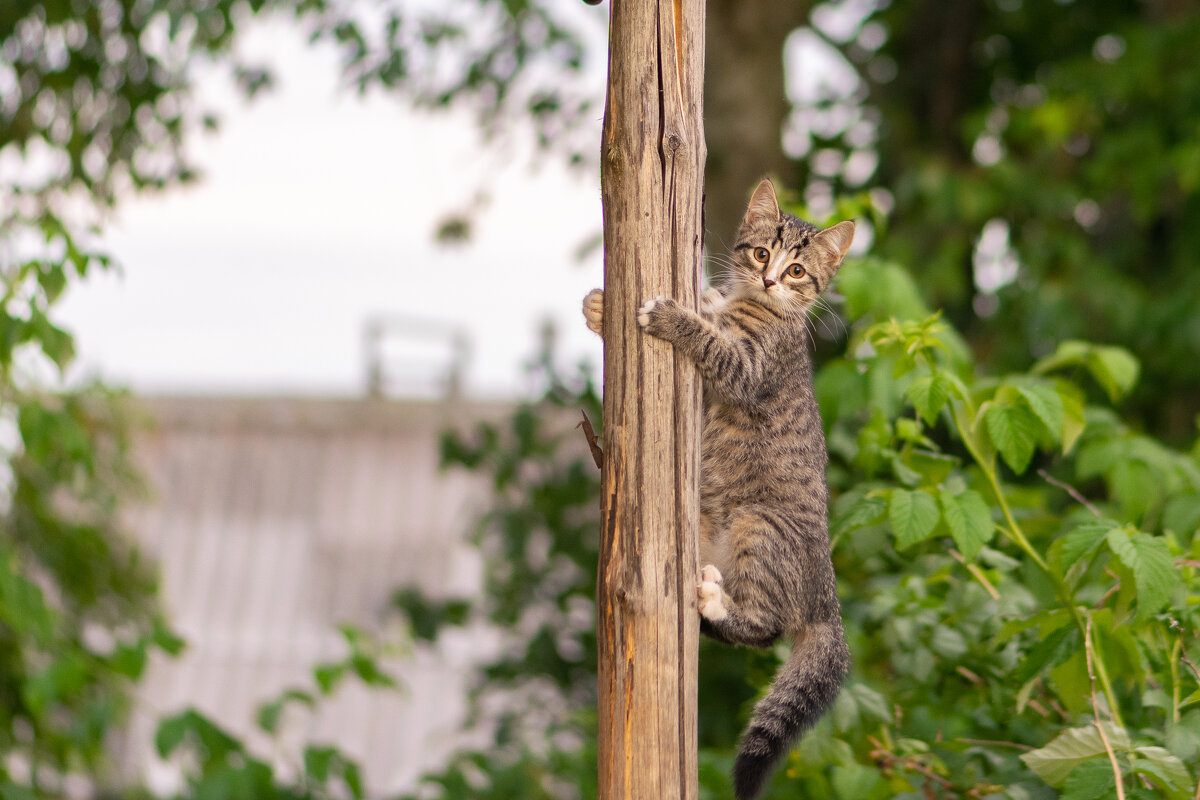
{"points": [[1015, 477]]}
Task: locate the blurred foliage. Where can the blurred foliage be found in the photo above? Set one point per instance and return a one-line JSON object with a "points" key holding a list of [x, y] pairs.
{"points": [[94, 101], [77, 614], [1071, 132], [97, 97], [216, 764], [96, 104], [1016, 564]]}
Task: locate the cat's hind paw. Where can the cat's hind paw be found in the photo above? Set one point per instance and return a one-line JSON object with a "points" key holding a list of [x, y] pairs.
{"points": [[593, 310], [712, 607]]}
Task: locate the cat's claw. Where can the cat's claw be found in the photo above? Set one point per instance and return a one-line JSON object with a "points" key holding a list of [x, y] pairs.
{"points": [[593, 310], [643, 314], [709, 592]]}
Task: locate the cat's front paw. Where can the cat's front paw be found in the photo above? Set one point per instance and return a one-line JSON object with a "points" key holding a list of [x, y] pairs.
{"points": [[655, 314], [643, 315], [709, 592], [593, 310]]}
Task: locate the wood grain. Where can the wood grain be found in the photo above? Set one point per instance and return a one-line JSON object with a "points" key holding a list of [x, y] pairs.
{"points": [[652, 173]]}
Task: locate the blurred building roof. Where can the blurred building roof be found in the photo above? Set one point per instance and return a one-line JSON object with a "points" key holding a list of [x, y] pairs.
{"points": [[276, 519]]}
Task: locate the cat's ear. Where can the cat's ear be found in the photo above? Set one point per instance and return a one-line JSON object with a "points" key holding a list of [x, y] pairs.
{"points": [[764, 207], [837, 239]]}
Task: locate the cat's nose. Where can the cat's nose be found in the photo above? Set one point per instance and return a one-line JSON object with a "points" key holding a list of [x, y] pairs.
{"points": [[767, 282]]}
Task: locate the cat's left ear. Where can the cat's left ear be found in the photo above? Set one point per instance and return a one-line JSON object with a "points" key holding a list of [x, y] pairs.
{"points": [[764, 207], [837, 239]]}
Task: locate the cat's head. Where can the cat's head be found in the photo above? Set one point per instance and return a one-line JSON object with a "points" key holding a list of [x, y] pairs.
{"points": [[782, 261]]}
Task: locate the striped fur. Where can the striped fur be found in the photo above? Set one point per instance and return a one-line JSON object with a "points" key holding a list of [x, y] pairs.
{"points": [[764, 542]]}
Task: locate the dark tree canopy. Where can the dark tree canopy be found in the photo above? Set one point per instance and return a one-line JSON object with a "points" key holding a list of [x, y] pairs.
{"points": [[1076, 126]]}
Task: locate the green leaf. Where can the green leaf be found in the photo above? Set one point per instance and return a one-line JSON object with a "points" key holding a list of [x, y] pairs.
{"points": [[323, 763], [166, 639], [130, 660], [1073, 419], [327, 676], [1068, 353], [318, 761], [353, 778], [1083, 540], [1054, 762], [1046, 405], [1167, 769], [1114, 368], [913, 515], [16, 791], [369, 672], [216, 744], [1183, 737], [929, 394], [867, 510], [1182, 515], [1091, 780], [1135, 485], [969, 519], [854, 781], [1046, 622], [170, 734], [23, 606], [1153, 570], [427, 617], [948, 643], [1014, 430], [269, 713], [53, 280], [1047, 653]]}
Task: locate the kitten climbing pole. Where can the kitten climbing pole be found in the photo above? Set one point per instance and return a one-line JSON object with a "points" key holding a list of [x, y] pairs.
{"points": [[652, 173]]}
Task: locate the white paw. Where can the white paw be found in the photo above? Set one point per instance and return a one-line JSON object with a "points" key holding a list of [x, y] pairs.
{"points": [[711, 607], [643, 314], [593, 310], [709, 592]]}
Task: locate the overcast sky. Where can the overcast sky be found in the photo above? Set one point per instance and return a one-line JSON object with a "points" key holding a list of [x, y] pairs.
{"points": [[316, 212]]}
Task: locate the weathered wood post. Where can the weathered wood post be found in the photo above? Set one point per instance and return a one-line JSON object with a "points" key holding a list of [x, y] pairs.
{"points": [[652, 174]]}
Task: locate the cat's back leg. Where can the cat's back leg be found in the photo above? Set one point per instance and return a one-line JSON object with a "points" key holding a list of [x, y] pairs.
{"points": [[749, 602]]}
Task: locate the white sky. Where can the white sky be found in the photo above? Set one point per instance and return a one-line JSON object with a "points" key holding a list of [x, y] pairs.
{"points": [[316, 211]]}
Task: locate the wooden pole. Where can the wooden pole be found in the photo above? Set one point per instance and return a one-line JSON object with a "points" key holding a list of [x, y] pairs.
{"points": [[652, 174]]}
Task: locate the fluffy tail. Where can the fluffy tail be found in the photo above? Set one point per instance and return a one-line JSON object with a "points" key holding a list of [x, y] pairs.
{"points": [[804, 689]]}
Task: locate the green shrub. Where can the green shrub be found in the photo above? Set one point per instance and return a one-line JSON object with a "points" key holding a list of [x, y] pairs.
{"points": [[1017, 569]]}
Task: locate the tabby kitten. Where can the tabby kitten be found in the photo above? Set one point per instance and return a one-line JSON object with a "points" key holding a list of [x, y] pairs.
{"points": [[764, 539]]}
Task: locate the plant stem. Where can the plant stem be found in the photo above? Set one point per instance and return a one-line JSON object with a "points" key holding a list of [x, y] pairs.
{"points": [[1176, 651], [1112, 758]]}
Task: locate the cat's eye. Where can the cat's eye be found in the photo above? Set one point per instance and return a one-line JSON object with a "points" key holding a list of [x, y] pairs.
{"points": [[795, 271], [761, 254]]}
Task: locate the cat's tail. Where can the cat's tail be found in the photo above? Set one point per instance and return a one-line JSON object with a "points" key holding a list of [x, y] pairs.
{"points": [[804, 689]]}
